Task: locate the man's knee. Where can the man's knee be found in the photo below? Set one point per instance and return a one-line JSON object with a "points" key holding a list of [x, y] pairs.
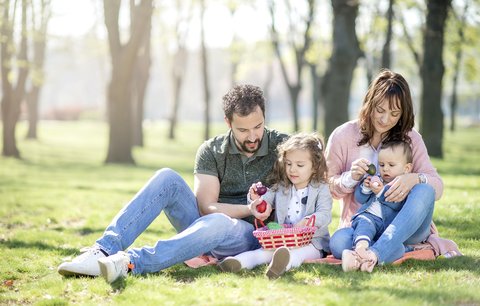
{"points": [[219, 221], [166, 173]]}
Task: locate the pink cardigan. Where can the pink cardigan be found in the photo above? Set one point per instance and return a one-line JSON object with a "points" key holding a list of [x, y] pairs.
{"points": [[342, 150]]}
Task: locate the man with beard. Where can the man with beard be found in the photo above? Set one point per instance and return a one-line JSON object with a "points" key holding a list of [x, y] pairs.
{"points": [[213, 219]]}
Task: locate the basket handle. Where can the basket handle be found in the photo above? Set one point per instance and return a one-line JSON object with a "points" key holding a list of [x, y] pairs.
{"points": [[256, 223], [311, 221]]}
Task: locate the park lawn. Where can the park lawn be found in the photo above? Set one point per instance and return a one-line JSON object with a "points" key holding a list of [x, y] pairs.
{"points": [[61, 196]]}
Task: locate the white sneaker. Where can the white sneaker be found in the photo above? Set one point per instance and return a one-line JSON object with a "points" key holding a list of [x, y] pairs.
{"points": [[115, 266], [230, 264], [84, 264], [279, 263]]}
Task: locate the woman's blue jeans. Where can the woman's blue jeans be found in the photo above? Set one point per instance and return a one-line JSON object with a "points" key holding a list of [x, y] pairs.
{"points": [[410, 226], [166, 191]]}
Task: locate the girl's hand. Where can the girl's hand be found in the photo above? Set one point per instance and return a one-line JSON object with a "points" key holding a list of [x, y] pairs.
{"points": [[400, 187], [302, 222], [253, 192], [253, 209], [359, 168]]}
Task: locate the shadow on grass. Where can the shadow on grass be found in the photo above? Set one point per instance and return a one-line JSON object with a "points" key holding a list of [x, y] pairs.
{"points": [[119, 285], [462, 229], [182, 274], [37, 245]]}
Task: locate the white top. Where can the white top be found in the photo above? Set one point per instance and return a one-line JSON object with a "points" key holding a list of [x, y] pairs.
{"points": [[296, 207]]}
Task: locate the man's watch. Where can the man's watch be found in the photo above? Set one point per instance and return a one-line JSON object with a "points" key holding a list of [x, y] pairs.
{"points": [[422, 179]]}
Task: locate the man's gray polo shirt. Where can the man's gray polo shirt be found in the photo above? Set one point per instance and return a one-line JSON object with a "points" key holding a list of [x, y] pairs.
{"points": [[220, 157]]}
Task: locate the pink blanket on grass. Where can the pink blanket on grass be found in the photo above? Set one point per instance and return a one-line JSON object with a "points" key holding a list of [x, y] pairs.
{"points": [[206, 260]]}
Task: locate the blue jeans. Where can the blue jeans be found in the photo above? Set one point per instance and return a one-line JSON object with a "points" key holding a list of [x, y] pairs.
{"points": [[367, 227], [410, 226], [216, 233]]}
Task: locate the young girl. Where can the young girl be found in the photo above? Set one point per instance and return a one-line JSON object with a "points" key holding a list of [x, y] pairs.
{"points": [[300, 191]]}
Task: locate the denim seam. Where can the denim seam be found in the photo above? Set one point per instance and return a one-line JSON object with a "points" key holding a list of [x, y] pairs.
{"points": [[143, 211]]}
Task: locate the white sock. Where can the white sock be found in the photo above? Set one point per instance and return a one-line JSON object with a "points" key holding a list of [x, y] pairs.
{"points": [[299, 255], [251, 259]]}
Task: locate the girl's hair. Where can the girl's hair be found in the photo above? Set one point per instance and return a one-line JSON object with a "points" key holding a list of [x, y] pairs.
{"points": [[311, 142], [394, 88]]}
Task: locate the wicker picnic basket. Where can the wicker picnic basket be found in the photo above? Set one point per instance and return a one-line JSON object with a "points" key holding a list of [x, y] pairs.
{"points": [[288, 236]]}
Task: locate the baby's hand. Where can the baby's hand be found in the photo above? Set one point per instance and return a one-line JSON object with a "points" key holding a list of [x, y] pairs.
{"points": [[376, 184], [367, 182]]}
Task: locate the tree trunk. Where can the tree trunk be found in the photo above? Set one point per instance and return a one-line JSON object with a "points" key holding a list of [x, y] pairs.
{"points": [[386, 61], [316, 83], [339, 74], [179, 62], [204, 62], [10, 111], [39, 46], [142, 75], [177, 86], [32, 106], [456, 72], [124, 59], [431, 124], [266, 90], [12, 96], [178, 70], [294, 89]]}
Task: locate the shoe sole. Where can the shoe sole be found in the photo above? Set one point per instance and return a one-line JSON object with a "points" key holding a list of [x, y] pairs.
{"points": [[104, 271], [230, 265], [347, 258], [279, 263], [65, 271], [70, 273]]}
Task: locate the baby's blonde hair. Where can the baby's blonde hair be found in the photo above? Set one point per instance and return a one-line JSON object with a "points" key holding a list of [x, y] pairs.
{"points": [[311, 142]]}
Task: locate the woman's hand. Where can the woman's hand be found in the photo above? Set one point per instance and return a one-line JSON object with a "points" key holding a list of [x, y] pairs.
{"points": [[400, 187], [253, 209], [359, 168]]}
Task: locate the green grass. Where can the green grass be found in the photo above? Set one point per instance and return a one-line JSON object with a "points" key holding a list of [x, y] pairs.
{"points": [[61, 196]]}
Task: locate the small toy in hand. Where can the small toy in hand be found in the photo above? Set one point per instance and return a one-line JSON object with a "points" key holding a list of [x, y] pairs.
{"points": [[261, 190], [273, 225], [375, 181], [372, 169]]}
